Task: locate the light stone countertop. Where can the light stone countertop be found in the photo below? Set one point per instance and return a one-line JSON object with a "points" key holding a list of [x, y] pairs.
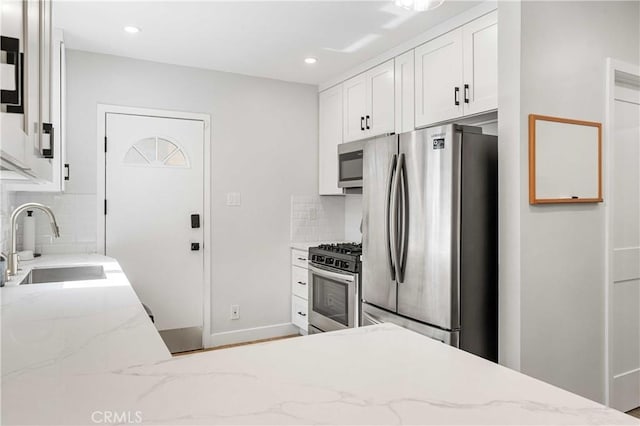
{"points": [[85, 353]]}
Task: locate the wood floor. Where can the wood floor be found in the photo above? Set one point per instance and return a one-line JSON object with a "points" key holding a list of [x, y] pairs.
{"points": [[635, 412], [235, 345]]}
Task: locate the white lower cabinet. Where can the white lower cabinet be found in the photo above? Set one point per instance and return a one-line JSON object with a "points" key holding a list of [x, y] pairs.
{"points": [[299, 310], [299, 290]]}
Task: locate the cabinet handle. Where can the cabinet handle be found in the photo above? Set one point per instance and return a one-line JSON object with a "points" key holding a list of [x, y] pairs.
{"points": [[301, 283], [466, 93], [456, 96], [368, 122], [362, 123], [67, 171], [14, 99], [47, 129], [302, 314], [302, 258]]}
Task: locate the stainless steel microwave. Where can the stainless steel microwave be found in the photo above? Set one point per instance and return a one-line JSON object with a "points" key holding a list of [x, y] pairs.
{"points": [[350, 164]]}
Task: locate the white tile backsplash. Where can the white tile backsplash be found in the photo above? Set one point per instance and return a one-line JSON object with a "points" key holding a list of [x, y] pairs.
{"points": [[77, 220], [7, 204], [352, 217], [317, 218]]}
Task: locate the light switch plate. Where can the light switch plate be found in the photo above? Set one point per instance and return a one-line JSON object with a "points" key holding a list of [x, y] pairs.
{"points": [[233, 199]]}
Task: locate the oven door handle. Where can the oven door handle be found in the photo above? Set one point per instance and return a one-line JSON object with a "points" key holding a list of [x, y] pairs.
{"points": [[333, 275]]}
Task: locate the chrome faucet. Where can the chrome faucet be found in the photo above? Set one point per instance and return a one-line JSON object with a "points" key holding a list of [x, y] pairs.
{"points": [[12, 266]]}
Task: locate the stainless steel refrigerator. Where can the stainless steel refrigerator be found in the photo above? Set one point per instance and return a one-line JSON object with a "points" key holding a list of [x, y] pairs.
{"points": [[430, 248]]}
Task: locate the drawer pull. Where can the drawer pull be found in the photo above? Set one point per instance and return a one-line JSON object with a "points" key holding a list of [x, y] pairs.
{"points": [[302, 314], [301, 283], [302, 258]]}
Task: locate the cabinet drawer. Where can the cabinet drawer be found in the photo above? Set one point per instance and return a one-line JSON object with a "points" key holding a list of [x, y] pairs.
{"points": [[299, 258], [299, 282], [299, 308]]}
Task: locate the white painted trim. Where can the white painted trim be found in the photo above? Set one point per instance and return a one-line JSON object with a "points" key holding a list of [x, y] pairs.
{"points": [[102, 111], [250, 334], [612, 66], [465, 17], [626, 373]]}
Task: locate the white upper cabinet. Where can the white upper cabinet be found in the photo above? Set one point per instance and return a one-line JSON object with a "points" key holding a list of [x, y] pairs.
{"points": [[330, 136], [32, 148], [480, 46], [439, 79], [456, 74], [405, 92], [369, 103], [380, 100], [355, 99]]}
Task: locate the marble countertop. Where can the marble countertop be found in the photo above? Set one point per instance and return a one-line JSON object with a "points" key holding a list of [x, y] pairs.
{"points": [[87, 354]]}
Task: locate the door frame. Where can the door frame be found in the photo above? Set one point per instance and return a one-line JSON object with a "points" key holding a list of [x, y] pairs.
{"points": [[102, 111], [614, 68]]}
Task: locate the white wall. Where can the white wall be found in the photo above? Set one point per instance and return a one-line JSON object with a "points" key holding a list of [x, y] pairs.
{"points": [[264, 145], [556, 263]]}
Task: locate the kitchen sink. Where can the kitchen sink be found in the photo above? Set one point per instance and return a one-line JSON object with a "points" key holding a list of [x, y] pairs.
{"points": [[64, 273]]}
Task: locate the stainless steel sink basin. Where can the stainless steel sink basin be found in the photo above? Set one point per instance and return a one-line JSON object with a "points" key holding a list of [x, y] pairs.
{"points": [[65, 273]]}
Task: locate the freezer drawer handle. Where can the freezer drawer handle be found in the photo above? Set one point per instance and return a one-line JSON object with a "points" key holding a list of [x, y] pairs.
{"points": [[387, 217], [456, 96]]}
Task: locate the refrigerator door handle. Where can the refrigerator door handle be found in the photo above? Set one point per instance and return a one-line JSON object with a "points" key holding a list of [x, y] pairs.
{"points": [[395, 207], [387, 218], [404, 218]]}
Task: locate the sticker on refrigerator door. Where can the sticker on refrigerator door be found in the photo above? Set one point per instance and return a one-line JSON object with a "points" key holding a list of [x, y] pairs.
{"points": [[438, 143]]}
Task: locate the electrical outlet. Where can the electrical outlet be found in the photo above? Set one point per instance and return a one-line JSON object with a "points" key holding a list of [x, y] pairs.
{"points": [[235, 312]]}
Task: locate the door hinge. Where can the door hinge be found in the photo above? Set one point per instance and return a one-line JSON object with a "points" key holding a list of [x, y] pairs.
{"points": [[105, 144], [105, 207]]}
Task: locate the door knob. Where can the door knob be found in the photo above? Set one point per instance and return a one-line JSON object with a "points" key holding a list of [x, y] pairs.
{"points": [[195, 246]]}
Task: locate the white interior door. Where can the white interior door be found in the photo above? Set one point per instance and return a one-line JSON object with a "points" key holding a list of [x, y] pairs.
{"points": [[625, 183], [154, 184]]}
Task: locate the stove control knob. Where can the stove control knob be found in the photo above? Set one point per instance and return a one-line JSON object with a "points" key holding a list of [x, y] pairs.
{"points": [[345, 265], [329, 261]]}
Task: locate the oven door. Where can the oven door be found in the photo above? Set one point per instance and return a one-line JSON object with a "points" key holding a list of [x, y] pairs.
{"points": [[333, 298]]}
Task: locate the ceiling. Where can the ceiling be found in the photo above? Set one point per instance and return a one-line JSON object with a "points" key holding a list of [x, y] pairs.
{"points": [[260, 38]]}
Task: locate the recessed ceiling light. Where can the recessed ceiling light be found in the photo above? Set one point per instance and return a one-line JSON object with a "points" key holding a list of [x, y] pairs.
{"points": [[132, 29], [310, 60]]}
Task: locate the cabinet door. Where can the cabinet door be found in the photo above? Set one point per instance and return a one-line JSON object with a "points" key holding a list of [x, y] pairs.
{"points": [[438, 79], [480, 47], [330, 136], [379, 118], [405, 92], [355, 95]]}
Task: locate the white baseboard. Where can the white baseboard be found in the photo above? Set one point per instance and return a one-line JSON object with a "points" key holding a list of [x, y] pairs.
{"points": [[250, 334]]}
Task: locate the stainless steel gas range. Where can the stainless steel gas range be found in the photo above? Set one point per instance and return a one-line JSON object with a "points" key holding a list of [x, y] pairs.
{"points": [[334, 291]]}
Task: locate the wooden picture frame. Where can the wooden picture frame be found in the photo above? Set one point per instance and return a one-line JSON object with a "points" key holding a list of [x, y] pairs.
{"points": [[565, 160]]}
